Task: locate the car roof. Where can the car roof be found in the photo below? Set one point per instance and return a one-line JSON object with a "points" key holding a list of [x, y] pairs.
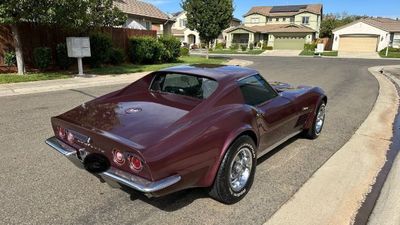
{"points": [[213, 71]]}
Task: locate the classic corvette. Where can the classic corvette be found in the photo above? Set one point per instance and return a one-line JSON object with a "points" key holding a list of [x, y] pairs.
{"points": [[187, 126]]}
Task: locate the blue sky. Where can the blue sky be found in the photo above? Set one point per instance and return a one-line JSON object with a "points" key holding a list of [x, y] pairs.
{"points": [[385, 8]]}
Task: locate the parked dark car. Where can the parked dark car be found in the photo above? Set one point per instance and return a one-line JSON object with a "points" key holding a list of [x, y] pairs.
{"points": [[187, 126]]}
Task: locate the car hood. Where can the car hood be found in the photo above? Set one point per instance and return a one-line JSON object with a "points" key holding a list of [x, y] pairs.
{"points": [[142, 118]]}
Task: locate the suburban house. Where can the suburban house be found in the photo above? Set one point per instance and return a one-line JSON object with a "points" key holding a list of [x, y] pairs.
{"points": [[367, 35], [281, 27], [144, 16], [190, 37]]}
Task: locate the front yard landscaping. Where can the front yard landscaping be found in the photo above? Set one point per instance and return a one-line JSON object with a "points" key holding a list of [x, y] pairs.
{"points": [[106, 70], [230, 51], [393, 53], [312, 53]]}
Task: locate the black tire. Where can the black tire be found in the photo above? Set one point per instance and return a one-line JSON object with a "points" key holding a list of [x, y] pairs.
{"points": [[222, 190], [312, 133]]}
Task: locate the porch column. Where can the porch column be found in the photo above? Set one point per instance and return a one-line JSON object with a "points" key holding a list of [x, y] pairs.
{"points": [[251, 39]]}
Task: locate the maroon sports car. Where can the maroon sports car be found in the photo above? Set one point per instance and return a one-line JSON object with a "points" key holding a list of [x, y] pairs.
{"points": [[187, 126]]}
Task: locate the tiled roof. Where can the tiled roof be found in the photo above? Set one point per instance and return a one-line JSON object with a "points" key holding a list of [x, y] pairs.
{"points": [[135, 7], [385, 24], [274, 28], [266, 10]]}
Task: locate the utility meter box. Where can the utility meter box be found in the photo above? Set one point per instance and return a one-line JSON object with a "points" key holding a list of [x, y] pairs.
{"points": [[78, 47]]}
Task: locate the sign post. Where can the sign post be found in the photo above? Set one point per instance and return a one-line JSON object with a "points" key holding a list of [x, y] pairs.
{"points": [[78, 47]]}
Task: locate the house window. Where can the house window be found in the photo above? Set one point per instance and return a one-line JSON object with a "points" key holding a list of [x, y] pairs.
{"points": [[291, 19], [255, 20], [182, 22], [148, 25], [277, 19], [305, 20]]}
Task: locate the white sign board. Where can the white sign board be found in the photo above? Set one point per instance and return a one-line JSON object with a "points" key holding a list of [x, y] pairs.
{"points": [[320, 48], [78, 47]]}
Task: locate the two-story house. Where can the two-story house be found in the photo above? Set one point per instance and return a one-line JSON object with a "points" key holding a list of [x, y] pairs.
{"points": [[145, 16], [188, 36], [281, 27]]}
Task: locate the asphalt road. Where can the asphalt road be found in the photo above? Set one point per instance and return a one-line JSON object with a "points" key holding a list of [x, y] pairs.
{"points": [[38, 186]]}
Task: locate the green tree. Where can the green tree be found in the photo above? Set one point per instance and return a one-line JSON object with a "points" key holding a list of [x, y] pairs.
{"points": [[75, 14], [208, 17]]}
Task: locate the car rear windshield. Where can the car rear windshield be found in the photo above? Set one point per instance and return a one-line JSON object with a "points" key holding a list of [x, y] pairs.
{"points": [[184, 84]]}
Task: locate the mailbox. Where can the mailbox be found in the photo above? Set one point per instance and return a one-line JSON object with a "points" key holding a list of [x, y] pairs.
{"points": [[78, 47]]}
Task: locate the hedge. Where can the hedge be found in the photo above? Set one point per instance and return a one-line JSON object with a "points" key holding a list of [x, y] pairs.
{"points": [[42, 57], [148, 50]]}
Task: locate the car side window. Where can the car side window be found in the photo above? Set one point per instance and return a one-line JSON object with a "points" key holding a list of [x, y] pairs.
{"points": [[256, 90]]}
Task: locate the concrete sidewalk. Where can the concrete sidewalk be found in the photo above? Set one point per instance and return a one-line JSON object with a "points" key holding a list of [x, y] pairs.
{"points": [[82, 82], [387, 208], [334, 194], [65, 84]]}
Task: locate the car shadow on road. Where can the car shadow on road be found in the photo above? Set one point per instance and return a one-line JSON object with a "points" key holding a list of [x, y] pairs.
{"points": [[277, 149], [181, 199], [171, 202]]}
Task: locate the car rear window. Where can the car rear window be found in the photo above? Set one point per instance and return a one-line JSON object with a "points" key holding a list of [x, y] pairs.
{"points": [[184, 84]]}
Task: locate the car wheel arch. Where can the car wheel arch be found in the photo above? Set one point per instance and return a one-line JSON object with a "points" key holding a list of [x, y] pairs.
{"points": [[245, 131]]}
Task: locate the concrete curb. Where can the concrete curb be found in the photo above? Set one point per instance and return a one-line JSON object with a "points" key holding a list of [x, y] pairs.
{"points": [[335, 193], [82, 82]]}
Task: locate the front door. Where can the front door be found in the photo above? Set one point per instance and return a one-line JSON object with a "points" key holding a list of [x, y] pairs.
{"points": [[276, 115]]}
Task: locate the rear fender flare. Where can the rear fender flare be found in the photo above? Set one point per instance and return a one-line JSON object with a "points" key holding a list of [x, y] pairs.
{"points": [[228, 141]]}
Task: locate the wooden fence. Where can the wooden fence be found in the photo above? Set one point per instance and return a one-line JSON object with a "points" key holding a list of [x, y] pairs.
{"points": [[33, 36]]}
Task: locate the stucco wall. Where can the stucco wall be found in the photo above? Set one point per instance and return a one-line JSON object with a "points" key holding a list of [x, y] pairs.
{"points": [[361, 28], [248, 22], [314, 20]]}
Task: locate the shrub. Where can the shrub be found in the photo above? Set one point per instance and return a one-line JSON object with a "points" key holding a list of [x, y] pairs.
{"points": [[172, 46], [145, 50], [220, 46], [184, 51], [234, 46], [101, 48], [251, 46], [243, 48], [117, 56], [10, 59], [310, 47], [62, 59], [266, 47], [42, 57]]}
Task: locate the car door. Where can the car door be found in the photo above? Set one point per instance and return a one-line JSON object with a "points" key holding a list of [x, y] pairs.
{"points": [[276, 115]]}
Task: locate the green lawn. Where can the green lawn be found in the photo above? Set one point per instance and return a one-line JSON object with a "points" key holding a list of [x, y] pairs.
{"points": [[125, 68], [311, 53], [131, 68], [13, 78], [229, 51], [393, 53]]}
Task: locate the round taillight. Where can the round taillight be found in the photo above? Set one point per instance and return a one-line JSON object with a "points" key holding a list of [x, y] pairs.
{"points": [[135, 163], [119, 157], [61, 132]]}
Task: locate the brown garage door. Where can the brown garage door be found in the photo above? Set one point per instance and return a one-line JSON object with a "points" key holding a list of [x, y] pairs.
{"points": [[358, 44]]}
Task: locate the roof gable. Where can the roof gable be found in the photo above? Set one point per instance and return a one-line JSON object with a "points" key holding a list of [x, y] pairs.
{"points": [[139, 8], [384, 24]]}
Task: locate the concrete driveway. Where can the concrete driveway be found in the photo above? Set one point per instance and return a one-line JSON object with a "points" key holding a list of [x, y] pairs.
{"points": [[359, 55], [38, 186], [282, 53]]}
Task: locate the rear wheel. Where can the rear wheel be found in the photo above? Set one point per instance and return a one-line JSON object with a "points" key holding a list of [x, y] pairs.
{"points": [[236, 173], [318, 122]]}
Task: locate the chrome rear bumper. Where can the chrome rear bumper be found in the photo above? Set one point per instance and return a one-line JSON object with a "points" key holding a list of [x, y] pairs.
{"points": [[113, 176]]}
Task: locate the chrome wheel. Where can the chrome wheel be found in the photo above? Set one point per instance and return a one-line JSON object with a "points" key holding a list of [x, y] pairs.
{"points": [[240, 169], [319, 122]]}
